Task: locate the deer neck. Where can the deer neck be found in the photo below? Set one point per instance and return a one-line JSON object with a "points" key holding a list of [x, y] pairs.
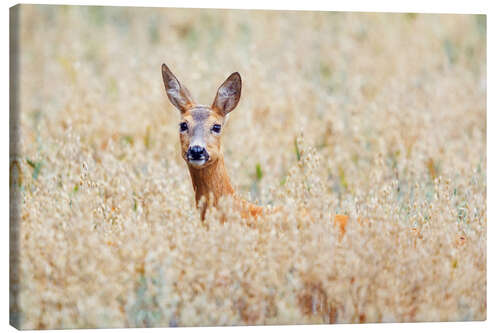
{"points": [[211, 180]]}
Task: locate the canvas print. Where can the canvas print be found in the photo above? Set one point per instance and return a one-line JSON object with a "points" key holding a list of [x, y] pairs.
{"points": [[201, 167]]}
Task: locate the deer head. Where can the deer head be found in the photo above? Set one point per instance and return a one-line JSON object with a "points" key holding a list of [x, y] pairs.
{"points": [[201, 126]]}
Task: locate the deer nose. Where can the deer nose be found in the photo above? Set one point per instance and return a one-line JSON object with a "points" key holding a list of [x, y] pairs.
{"points": [[197, 153]]}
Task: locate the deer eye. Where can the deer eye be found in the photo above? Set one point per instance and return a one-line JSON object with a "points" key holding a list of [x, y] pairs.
{"points": [[216, 128], [183, 126]]}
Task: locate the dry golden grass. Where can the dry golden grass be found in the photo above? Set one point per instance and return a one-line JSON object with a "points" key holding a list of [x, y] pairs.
{"points": [[380, 117]]}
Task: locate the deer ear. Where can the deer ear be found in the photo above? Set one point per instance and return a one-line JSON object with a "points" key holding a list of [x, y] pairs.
{"points": [[228, 95], [176, 92]]}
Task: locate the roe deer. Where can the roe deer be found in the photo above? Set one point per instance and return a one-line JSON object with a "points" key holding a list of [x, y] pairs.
{"points": [[200, 135]]}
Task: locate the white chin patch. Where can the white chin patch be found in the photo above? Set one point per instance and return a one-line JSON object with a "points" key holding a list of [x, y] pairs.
{"points": [[197, 162]]}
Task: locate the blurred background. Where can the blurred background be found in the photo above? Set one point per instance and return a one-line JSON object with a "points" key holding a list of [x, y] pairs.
{"points": [[389, 110]]}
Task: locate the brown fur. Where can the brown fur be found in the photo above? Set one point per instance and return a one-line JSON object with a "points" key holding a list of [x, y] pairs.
{"points": [[213, 182]]}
